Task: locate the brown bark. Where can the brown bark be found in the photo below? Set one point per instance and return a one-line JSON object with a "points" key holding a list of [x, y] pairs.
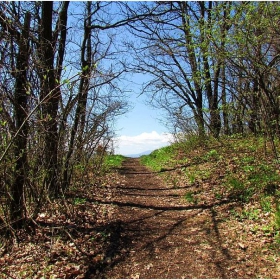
{"points": [[50, 106], [86, 62], [194, 69], [20, 107]]}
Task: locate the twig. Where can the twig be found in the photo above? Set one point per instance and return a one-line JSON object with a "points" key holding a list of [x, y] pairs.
{"points": [[27, 118], [77, 246]]}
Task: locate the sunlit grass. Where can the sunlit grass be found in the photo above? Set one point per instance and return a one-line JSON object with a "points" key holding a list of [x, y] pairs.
{"points": [[112, 161], [159, 158]]}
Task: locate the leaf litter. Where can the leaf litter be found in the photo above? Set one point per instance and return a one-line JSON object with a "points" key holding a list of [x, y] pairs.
{"points": [[133, 224]]}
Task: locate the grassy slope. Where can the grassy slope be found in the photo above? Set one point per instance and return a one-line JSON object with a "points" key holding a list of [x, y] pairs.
{"points": [[112, 161], [238, 170], [242, 170]]}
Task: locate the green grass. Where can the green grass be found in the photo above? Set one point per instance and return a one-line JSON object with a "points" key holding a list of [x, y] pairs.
{"points": [[159, 158], [241, 169], [277, 216], [189, 197], [249, 169], [251, 177], [79, 201], [112, 161], [266, 203], [212, 154]]}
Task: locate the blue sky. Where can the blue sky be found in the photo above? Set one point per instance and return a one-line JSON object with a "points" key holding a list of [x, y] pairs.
{"points": [[140, 129]]}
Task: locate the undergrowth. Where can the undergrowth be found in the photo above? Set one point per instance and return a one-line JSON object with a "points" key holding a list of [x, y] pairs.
{"points": [[111, 161], [241, 169], [158, 158]]}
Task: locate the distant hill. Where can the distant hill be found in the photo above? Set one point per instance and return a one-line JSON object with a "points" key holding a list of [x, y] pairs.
{"points": [[140, 154]]}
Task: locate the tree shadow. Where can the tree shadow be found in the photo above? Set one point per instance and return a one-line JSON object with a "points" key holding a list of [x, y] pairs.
{"points": [[113, 253], [124, 234], [151, 189], [163, 208], [141, 226]]}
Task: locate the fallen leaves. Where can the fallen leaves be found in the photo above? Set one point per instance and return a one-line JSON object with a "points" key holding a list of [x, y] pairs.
{"points": [[67, 241], [219, 239], [242, 246]]}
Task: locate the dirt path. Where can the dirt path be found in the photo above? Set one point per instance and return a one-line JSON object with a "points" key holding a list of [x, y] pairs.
{"points": [[134, 225], [158, 235]]}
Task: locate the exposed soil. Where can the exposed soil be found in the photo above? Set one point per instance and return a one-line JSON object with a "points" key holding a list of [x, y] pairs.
{"points": [[137, 225], [160, 235]]}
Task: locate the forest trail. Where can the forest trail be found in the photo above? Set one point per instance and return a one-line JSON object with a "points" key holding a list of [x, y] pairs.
{"points": [[135, 224], [159, 235]]}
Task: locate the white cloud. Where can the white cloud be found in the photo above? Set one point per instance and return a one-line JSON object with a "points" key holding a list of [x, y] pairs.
{"points": [[145, 141]]}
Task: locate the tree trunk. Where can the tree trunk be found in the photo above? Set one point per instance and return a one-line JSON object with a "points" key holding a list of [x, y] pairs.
{"points": [[224, 103], [50, 105], [20, 107], [86, 62], [194, 69]]}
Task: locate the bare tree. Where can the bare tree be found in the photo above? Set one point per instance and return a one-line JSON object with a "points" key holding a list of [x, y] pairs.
{"points": [[254, 61], [90, 121], [19, 63], [39, 98], [175, 48]]}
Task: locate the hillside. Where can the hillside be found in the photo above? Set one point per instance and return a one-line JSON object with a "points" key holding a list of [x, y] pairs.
{"points": [[196, 211]]}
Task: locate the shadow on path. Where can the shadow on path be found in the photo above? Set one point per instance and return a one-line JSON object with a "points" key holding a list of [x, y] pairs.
{"points": [[155, 237]]}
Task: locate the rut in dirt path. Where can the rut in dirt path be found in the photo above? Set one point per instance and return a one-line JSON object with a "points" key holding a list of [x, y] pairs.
{"points": [[158, 235]]}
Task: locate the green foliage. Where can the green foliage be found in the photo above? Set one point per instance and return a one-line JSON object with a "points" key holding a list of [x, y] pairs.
{"points": [[277, 216], [191, 142], [170, 155], [111, 161], [218, 195], [158, 158], [191, 177], [248, 214], [3, 123], [235, 183], [251, 214], [173, 179], [212, 154], [80, 167], [266, 204], [238, 189], [79, 201], [195, 174], [85, 68], [252, 174], [189, 197]]}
